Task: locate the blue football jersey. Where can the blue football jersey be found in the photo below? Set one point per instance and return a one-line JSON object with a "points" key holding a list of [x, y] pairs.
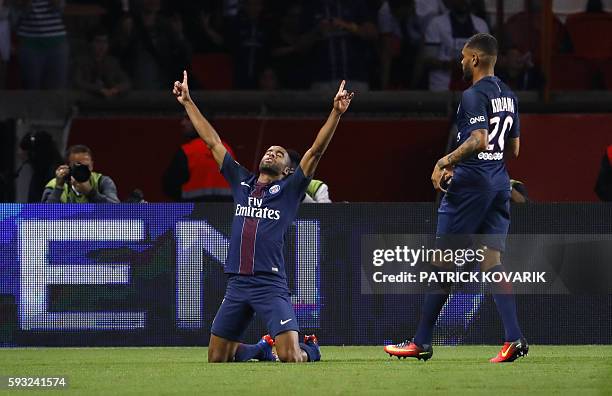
{"points": [[262, 215], [489, 104]]}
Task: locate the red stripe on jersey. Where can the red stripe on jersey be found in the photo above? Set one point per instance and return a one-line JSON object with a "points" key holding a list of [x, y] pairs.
{"points": [[247, 246], [248, 238], [610, 154]]}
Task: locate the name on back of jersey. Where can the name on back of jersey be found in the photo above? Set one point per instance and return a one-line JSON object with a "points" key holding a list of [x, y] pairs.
{"points": [[502, 104]]}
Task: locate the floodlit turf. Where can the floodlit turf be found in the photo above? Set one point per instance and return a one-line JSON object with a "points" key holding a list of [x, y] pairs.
{"points": [[345, 370]]}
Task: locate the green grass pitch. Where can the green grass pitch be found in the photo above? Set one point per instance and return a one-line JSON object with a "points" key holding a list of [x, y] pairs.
{"points": [[548, 370]]}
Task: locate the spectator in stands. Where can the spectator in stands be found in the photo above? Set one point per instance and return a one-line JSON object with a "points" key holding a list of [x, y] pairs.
{"points": [[428, 9], [603, 187], [249, 38], [479, 8], [289, 50], [343, 32], [43, 47], [98, 72], [205, 29], [42, 158], [152, 48], [76, 181], [193, 175], [317, 191], [518, 71], [401, 44], [5, 42], [445, 36], [524, 31]]}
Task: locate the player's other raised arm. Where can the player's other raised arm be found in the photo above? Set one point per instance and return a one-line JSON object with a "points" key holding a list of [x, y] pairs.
{"points": [[201, 124], [311, 158]]}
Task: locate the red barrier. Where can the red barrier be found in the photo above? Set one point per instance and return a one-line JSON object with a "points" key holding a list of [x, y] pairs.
{"points": [[368, 160], [561, 155], [378, 160], [133, 152]]}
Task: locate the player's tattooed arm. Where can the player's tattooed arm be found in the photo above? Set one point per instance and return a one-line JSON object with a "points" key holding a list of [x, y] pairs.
{"points": [[200, 123], [311, 158], [443, 170], [476, 143]]}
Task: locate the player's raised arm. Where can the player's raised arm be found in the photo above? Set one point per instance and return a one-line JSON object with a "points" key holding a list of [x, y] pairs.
{"points": [[201, 124], [311, 158], [443, 169]]}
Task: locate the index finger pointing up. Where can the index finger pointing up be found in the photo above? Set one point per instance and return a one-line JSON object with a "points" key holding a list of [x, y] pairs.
{"points": [[184, 77], [341, 89]]}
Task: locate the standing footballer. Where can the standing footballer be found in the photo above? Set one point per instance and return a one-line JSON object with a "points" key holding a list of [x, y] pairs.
{"points": [[478, 198], [265, 205]]}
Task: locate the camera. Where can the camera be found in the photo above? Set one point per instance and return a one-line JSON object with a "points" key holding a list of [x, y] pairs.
{"points": [[80, 172]]}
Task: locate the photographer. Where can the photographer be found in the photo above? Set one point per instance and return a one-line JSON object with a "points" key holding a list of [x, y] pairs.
{"points": [[77, 183]]}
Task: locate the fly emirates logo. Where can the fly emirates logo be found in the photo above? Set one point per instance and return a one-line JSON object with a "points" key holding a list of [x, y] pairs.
{"points": [[255, 210]]}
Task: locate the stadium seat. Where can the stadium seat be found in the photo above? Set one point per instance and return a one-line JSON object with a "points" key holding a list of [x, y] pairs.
{"points": [[213, 71], [569, 73], [524, 32], [590, 34]]}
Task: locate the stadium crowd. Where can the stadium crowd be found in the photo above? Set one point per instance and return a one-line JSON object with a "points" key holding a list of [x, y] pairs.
{"points": [[109, 46]]}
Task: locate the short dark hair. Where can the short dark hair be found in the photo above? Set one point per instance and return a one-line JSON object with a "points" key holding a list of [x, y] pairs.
{"points": [[76, 149], [483, 42]]}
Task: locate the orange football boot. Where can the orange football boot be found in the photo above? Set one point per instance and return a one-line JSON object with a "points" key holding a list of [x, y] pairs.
{"points": [[410, 349], [511, 351]]}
